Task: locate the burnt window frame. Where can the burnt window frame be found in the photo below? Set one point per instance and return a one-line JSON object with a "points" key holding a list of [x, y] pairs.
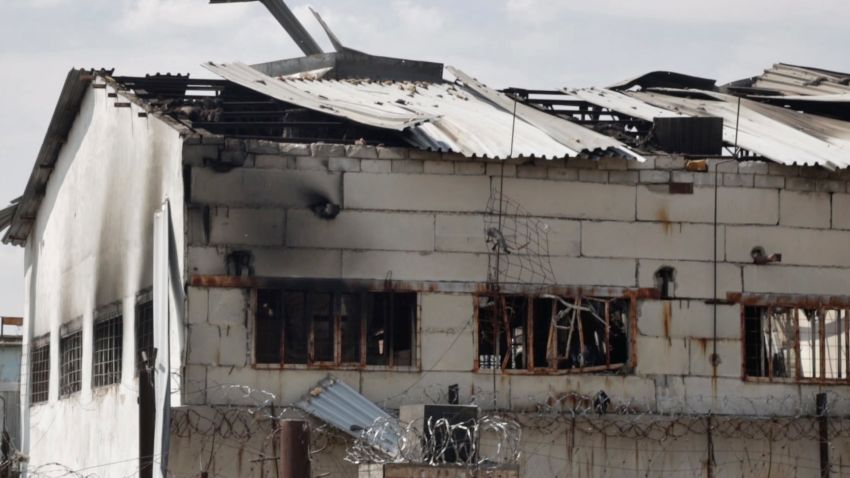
{"points": [[808, 306], [336, 292], [40, 371], [70, 380], [107, 361], [143, 328], [629, 300]]}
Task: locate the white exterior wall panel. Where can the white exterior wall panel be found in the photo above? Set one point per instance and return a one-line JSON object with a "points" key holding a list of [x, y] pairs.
{"points": [[91, 246]]}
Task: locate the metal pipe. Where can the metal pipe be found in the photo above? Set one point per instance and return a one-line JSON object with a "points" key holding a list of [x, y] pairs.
{"points": [[823, 429], [294, 449]]}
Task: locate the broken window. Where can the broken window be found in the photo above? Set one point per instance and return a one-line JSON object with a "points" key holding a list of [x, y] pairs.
{"points": [[40, 373], [108, 350], [335, 328], [552, 333], [144, 334], [796, 343], [70, 365]]}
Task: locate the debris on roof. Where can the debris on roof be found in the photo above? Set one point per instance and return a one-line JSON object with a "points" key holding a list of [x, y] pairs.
{"points": [[463, 117], [790, 80], [772, 132]]}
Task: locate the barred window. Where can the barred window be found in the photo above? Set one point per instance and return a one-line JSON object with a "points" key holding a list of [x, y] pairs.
{"points": [[71, 355], [108, 349], [144, 332], [334, 328], [797, 344], [40, 373]]}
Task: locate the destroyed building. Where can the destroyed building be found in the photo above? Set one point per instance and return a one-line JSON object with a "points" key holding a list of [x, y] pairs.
{"points": [[646, 279]]}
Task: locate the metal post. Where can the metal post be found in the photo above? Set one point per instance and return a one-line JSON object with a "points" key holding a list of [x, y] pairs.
{"points": [[823, 422], [294, 449], [709, 462]]}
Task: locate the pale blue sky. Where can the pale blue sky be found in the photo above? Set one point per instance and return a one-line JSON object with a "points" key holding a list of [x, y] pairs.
{"points": [[531, 43]]}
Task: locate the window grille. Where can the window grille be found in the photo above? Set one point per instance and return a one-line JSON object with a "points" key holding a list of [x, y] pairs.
{"points": [[71, 355], [797, 344], [144, 332], [40, 373], [330, 328], [108, 350]]}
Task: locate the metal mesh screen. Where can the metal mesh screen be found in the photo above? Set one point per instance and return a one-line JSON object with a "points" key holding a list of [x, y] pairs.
{"points": [[519, 243], [40, 371], [144, 332], [108, 349], [71, 349]]}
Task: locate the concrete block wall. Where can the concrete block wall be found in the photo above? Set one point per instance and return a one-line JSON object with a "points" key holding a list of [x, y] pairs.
{"points": [[419, 216]]}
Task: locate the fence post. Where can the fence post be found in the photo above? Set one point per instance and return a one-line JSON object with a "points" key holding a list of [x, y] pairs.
{"points": [[294, 449], [823, 422]]}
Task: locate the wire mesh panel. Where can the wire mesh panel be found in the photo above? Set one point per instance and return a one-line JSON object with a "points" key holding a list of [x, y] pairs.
{"points": [[70, 370], [519, 243], [144, 332], [40, 374], [108, 349]]}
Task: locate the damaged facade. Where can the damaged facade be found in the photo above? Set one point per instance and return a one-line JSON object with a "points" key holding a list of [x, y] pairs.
{"points": [[649, 278]]}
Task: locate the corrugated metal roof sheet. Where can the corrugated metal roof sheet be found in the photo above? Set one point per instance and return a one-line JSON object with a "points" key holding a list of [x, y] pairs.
{"points": [[616, 101], [335, 402], [792, 80], [472, 121], [565, 132], [779, 134]]}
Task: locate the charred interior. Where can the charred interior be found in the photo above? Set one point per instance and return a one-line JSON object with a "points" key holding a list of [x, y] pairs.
{"points": [[224, 108], [630, 130], [551, 333]]}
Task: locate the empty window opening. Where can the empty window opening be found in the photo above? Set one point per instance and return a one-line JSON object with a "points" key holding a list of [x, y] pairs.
{"points": [[503, 325], [108, 350], [665, 282], [552, 333], [144, 334], [70, 369], [40, 373], [390, 322], [796, 343], [334, 328]]}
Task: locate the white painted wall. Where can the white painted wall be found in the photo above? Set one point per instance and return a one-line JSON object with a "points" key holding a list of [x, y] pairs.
{"points": [[91, 246]]}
